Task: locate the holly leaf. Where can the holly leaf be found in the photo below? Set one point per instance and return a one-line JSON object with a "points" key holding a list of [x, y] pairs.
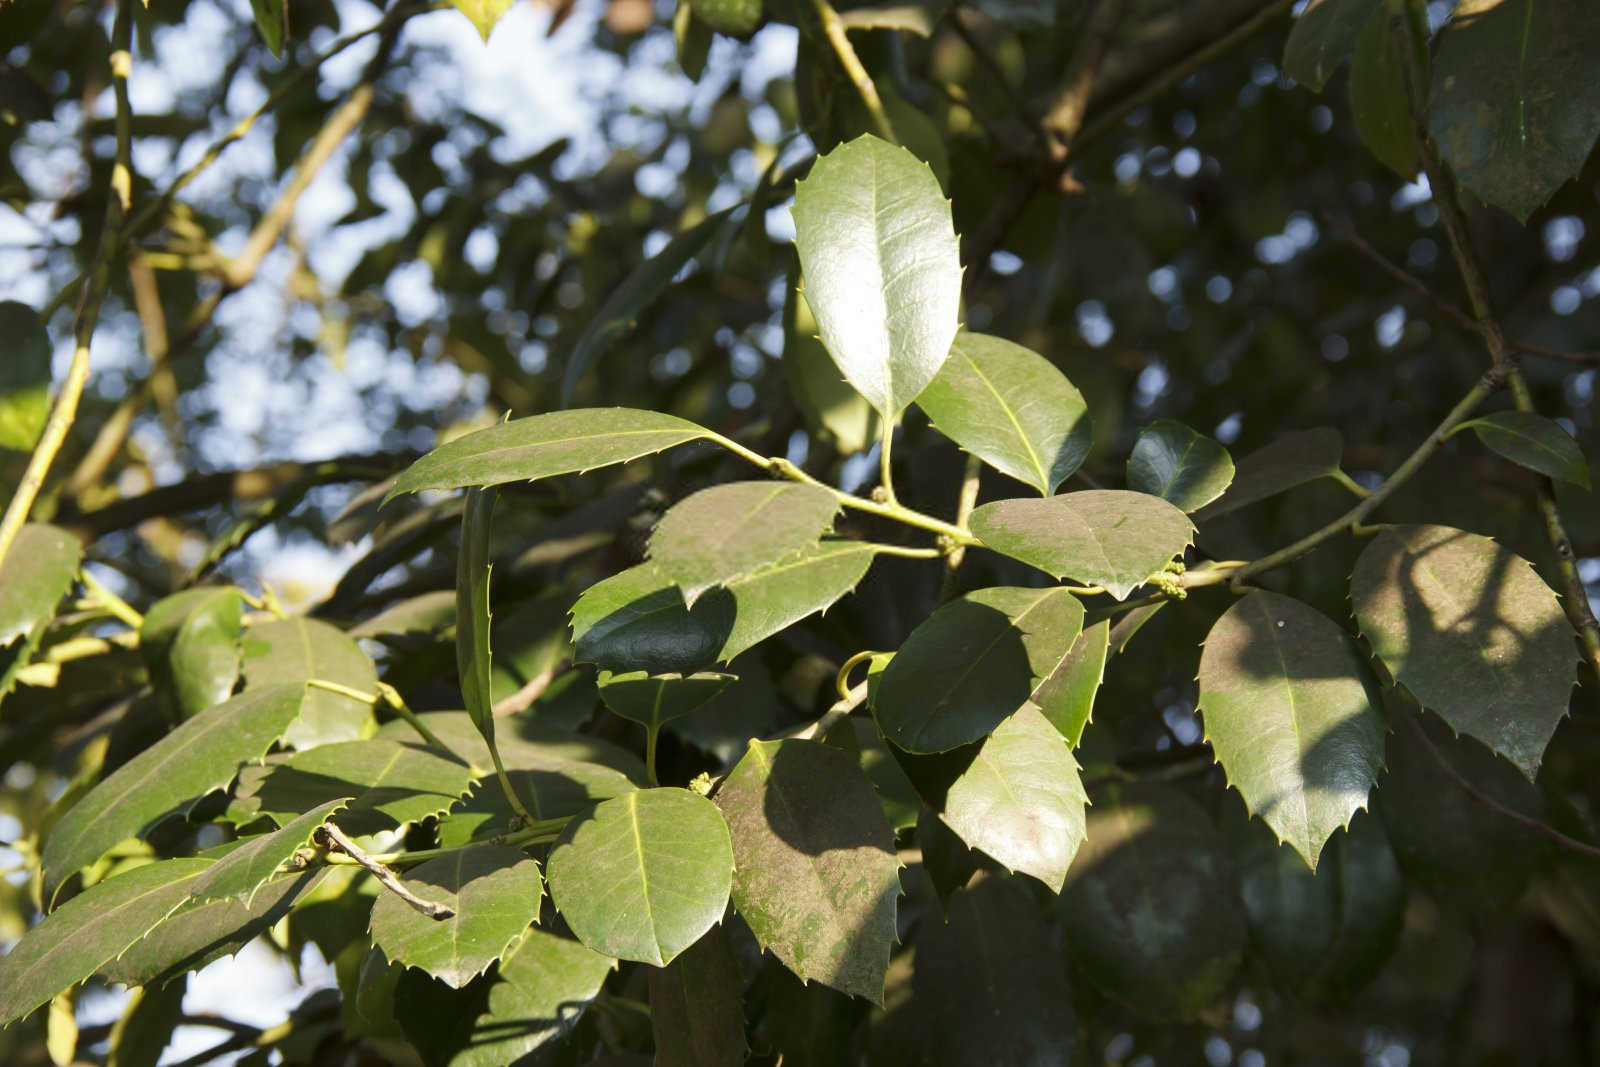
{"points": [[245, 869], [1472, 631], [1011, 408], [716, 535], [637, 620], [1107, 537], [696, 1006], [24, 377], [644, 875], [474, 664], [776, 597], [298, 650], [541, 990], [34, 576], [882, 270], [1323, 37], [1066, 695], [190, 645], [1178, 465], [1291, 460], [1292, 717], [657, 699], [816, 876], [1532, 441]]}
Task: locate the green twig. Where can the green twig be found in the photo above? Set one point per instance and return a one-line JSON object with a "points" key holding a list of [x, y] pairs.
{"points": [[111, 602], [834, 29], [841, 680]]}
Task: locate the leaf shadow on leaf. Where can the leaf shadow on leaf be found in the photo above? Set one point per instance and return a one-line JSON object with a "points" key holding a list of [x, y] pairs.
{"points": [[658, 634], [289, 789]]}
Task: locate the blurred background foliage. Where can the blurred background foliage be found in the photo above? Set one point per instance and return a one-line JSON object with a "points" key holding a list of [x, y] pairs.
{"points": [[426, 232]]}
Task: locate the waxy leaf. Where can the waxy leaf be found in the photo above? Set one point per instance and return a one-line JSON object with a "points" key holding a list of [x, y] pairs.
{"points": [[971, 664], [1011, 408], [541, 446], [1291, 460], [483, 13], [636, 620], [190, 644], [774, 598], [882, 270], [1178, 465], [473, 663], [1150, 913], [656, 699], [393, 784], [540, 991], [827, 401], [1472, 631], [298, 650], [554, 789], [1534, 442], [634, 295], [202, 754], [1323, 37], [36, 574], [644, 875], [716, 535], [1107, 537], [816, 876], [992, 965], [697, 1006], [245, 869], [1021, 800], [24, 377], [494, 892], [1378, 99], [1292, 717], [1066, 695], [86, 932], [1515, 106]]}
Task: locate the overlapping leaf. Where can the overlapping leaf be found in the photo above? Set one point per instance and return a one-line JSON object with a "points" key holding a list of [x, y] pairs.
{"points": [[24, 377], [540, 446], [1065, 696], [1178, 465], [645, 875], [696, 1006], [1108, 537], [298, 650], [202, 754], [1472, 631], [542, 988], [776, 597], [1292, 717], [1323, 37], [657, 699], [473, 662], [827, 401], [716, 535], [190, 644], [1533, 441], [882, 269], [1379, 101], [36, 574], [245, 869], [1291, 460], [816, 877], [1011, 408]]}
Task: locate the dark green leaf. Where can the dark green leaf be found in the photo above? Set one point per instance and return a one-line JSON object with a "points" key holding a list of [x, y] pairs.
{"points": [[972, 663], [424, 615], [200, 755], [393, 783], [901, 804], [1533, 441], [816, 876], [655, 699], [693, 39], [1011, 408], [24, 377], [1472, 631], [1066, 695], [473, 564], [990, 987], [1515, 106], [35, 575], [1378, 94], [636, 620], [245, 869], [637, 292], [89, 930], [1021, 800], [540, 990], [298, 650], [145, 1029], [731, 530], [1151, 911], [1108, 537], [1178, 465], [272, 19], [644, 875], [555, 788], [1323, 37], [1291, 460], [190, 644], [696, 1006], [1292, 717], [540, 446], [483, 13], [494, 892], [882, 271], [774, 598]]}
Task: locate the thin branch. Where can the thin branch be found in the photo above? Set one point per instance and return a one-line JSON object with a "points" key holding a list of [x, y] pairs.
{"points": [[1064, 118], [840, 711], [986, 58], [117, 202], [834, 30], [971, 477], [531, 691], [335, 838]]}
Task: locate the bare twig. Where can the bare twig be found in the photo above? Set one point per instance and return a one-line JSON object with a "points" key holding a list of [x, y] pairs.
{"points": [[333, 837], [1064, 119], [531, 691]]}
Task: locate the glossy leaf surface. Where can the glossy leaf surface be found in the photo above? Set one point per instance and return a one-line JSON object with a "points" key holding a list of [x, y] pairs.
{"points": [[1534, 442], [473, 660], [656, 699], [716, 535], [540, 991], [697, 1006], [1291, 460], [298, 650], [1065, 696], [1182, 467]]}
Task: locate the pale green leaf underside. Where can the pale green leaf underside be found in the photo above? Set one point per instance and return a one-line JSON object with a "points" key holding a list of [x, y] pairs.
{"points": [[1184, 468], [1108, 537], [541, 446], [198, 756], [1291, 717], [1472, 631], [1011, 408], [644, 875], [1534, 442], [881, 266], [1021, 800], [494, 892], [816, 877], [35, 575]]}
